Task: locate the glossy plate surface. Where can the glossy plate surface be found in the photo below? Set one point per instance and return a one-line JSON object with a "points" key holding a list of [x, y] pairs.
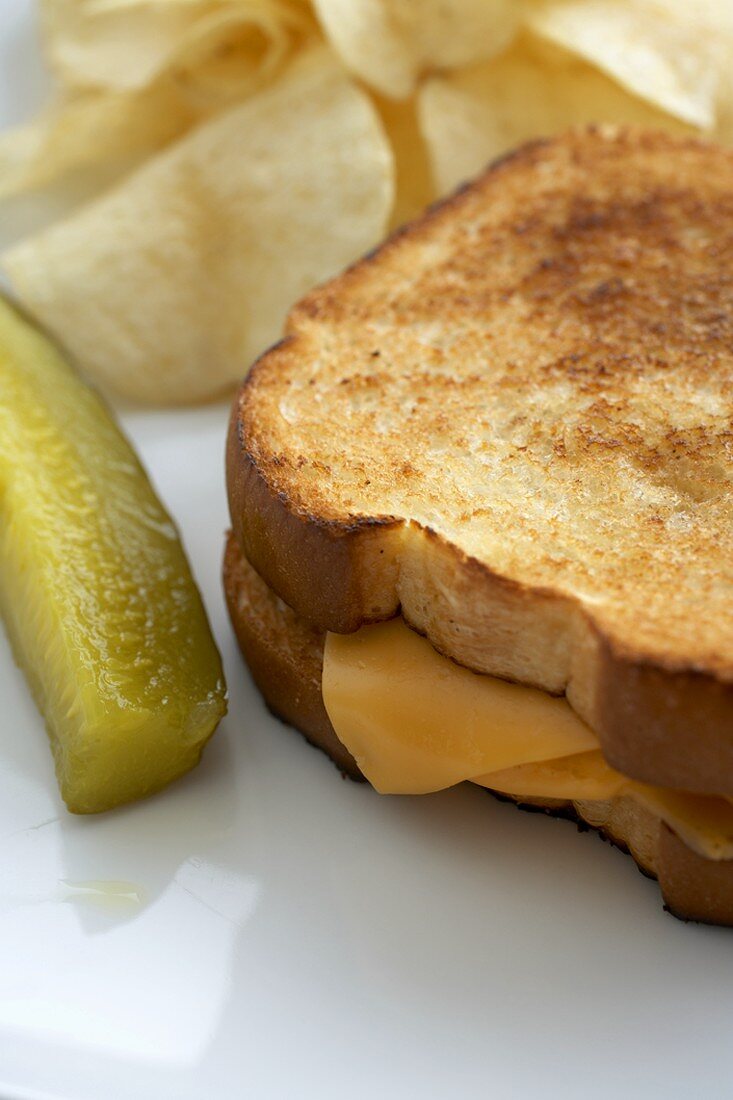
{"points": [[266, 929]]}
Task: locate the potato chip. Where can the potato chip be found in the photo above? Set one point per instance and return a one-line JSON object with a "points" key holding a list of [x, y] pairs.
{"points": [[166, 288], [724, 112], [413, 178], [127, 44], [120, 48], [390, 43], [223, 57], [666, 53], [91, 130], [232, 52], [471, 117]]}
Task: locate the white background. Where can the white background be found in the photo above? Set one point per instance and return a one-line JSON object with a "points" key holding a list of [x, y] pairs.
{"points": [[280, 932]]}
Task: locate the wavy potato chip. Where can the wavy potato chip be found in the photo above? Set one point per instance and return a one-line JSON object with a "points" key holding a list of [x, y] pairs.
{"points": [[668, 53], [224, 56], [91, 130], [414, 187], [231, 52], [127, 44], [390, 43], [121, 47], [724, 112], [166, 288], [472, 117]]}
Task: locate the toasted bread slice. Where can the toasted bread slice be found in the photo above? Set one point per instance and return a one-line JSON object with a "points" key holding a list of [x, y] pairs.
{"points": [[513, 422], [285, 655]]}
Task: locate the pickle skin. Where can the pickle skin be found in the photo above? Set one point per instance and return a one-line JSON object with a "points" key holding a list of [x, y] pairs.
{"points": [[96, 593]]}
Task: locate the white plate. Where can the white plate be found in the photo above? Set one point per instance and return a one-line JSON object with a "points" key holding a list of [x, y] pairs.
{"points": [[283, 933]]}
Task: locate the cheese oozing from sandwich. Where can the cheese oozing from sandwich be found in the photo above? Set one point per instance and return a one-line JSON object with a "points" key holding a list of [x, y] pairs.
{"points": [[416, 722]]}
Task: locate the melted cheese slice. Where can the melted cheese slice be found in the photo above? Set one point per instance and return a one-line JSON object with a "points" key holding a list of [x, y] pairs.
{"points": [[704, 823], [584, 775], [416, 722]]}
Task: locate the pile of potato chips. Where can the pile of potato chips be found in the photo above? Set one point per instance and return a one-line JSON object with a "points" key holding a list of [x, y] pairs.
{"points": [[232, 153]]}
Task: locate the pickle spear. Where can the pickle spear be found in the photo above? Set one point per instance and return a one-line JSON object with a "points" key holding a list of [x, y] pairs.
{"points": [[97, 595]]}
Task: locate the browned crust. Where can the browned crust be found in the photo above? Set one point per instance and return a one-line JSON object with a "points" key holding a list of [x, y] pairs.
{"points": [[281, 538], [665, 723], [285, 656], [666, 727], [694, 888]]}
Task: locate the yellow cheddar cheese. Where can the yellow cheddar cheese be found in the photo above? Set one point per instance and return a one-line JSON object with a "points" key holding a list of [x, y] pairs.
{"points": [[703, 822], [583, 775], [417, 722]]}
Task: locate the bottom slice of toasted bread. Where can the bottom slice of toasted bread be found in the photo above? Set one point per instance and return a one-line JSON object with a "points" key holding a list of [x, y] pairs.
{"points": [[285, 656]]}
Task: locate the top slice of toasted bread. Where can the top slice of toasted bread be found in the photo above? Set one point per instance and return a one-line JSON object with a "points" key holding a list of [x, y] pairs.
{"points": [[514, 421]]}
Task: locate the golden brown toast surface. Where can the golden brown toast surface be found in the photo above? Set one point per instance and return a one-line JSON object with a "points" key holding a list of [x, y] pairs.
{"points": [[515, 422]]}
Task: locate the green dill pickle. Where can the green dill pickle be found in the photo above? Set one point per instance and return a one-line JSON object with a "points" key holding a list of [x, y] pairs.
{"points": [[96, 593]]}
